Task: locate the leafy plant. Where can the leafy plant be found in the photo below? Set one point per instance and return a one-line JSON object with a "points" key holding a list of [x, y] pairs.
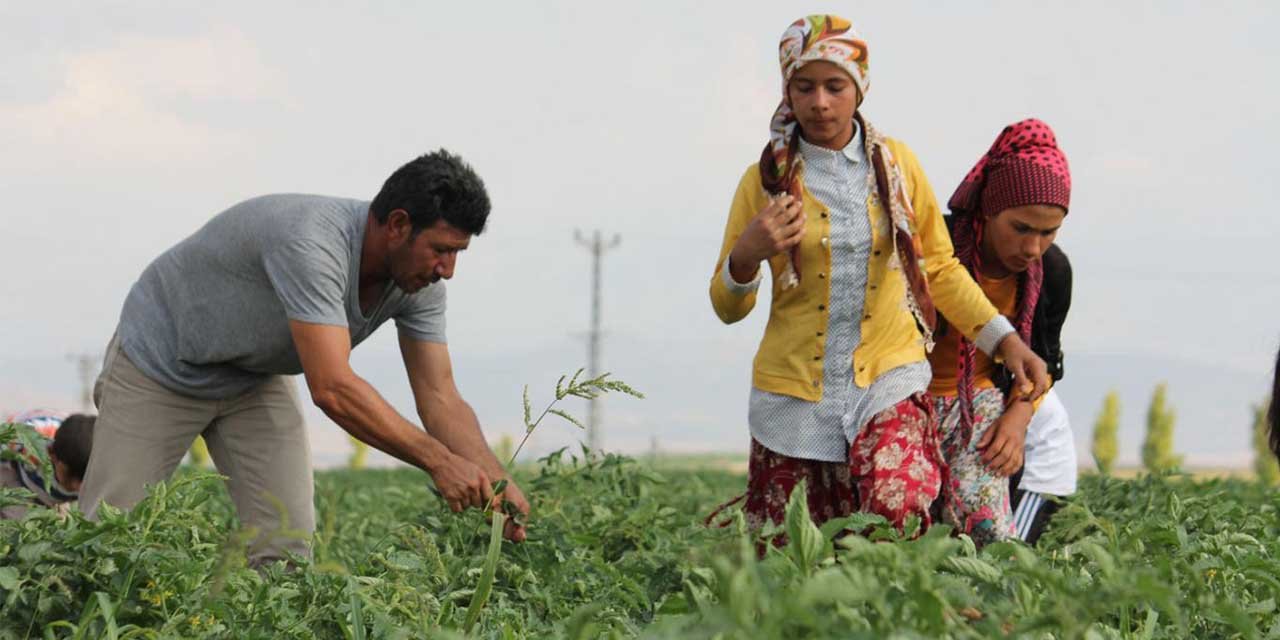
{"points": [[618, 551], [1265, 466], [589, 389], [1157, 447], [1105, 444]]}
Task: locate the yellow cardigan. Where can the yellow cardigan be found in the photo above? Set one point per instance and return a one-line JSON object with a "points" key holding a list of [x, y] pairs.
{"points": [[789, 360]]}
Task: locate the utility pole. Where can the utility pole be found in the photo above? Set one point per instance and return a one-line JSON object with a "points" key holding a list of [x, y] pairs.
{"points": [[86, 367], [597, 246]]}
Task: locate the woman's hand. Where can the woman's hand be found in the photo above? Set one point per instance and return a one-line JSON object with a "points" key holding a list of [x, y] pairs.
{"points": [[1030, 374], [777, 228], [1004, 444]]}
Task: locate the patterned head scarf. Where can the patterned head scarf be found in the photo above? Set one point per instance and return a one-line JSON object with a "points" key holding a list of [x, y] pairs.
{"points": [[832, 39], [1024, 166], [827, 38]]}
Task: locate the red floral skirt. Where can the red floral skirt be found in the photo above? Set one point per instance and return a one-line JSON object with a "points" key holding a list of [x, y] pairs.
{"points": [[895, 469]]}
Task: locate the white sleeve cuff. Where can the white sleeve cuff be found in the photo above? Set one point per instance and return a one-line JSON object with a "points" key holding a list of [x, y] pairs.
{"points": [[991, 335], [738, 288]]}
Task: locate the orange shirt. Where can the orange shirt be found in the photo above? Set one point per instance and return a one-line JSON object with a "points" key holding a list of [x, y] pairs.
{"points": [[945, 358]]}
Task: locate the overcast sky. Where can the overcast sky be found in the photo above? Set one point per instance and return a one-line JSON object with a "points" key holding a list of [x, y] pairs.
{"points": [[125, 125]]}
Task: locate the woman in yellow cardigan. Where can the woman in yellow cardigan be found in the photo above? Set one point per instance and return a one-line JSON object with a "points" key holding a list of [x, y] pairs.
{"points": [[859, 256]]}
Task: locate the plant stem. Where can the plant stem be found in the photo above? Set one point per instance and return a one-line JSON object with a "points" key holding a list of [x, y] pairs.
{"points": [[528, 432]]}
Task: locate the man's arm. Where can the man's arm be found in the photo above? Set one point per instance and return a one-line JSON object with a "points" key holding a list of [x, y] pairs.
{"points": [[449, 418], [353, 403], [444, 413]]}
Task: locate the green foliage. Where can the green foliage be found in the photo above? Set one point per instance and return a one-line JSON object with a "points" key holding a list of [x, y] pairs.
{"points": [[1265, 466], [31, 442], [586, 389], [1157, 447], [1105, 429], [606, 549], [616, 550], [1157, 557]]}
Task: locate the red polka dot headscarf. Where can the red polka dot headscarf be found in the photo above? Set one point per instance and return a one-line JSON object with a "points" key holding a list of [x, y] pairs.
{"points": [[1024, 166]]}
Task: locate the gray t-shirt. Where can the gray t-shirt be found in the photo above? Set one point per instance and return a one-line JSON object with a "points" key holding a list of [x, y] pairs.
{"points": [[209, 317]]}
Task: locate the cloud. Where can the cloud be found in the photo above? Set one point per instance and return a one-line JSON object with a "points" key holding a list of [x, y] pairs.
{"points": [[126, 102]]}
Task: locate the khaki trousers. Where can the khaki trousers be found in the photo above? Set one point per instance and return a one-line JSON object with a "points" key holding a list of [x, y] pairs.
{"points": [[258, 440]]}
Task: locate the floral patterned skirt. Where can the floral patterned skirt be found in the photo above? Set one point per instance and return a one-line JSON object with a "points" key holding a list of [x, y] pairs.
{"points": [[975, 500], [895, 468]]}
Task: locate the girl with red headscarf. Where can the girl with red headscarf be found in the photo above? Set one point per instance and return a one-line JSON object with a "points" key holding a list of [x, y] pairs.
{"points": [[1004, 218]]}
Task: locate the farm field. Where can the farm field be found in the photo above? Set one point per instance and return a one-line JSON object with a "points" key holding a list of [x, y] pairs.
{"points": [[616, 549]]}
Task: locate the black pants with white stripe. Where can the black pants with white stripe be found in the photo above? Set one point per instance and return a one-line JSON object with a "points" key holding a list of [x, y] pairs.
{"points": [[1031, 510]]}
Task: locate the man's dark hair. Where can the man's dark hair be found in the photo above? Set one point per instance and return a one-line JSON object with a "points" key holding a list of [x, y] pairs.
{"points": [[435, 186], [72, 442]]}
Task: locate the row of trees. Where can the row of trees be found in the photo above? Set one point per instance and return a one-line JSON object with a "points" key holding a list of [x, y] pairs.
{"points": [[1157, 446]]}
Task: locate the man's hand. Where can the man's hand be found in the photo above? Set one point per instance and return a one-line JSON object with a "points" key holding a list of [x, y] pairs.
{"points": [[1004, 443], [448, 417], [1030, 374], [777, 228], [461, 483], [513, 531]]}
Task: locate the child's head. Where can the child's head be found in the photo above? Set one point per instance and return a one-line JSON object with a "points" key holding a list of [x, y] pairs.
{"points": [[69, 451]]}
